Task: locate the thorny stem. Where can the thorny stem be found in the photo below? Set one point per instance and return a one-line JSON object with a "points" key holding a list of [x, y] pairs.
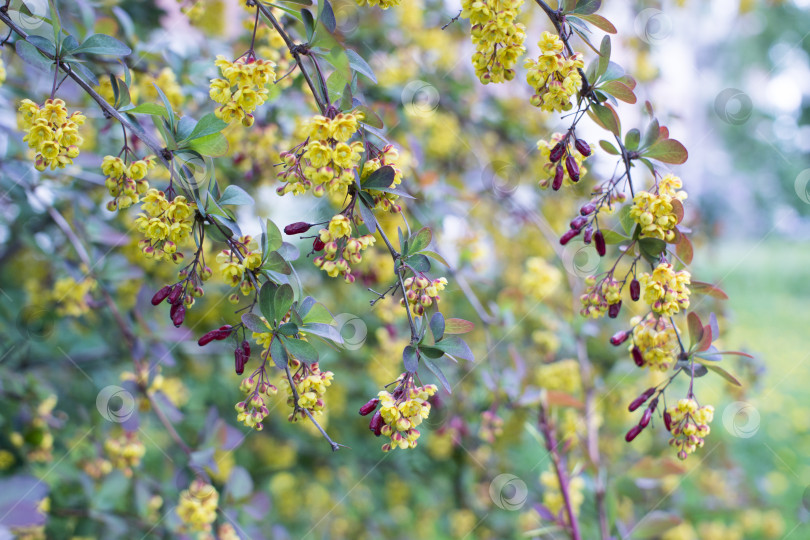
{"points": [[398, 259], [559, 468]]}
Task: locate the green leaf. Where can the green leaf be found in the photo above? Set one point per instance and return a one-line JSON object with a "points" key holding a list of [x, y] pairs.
{"points": [[437, 326], [618, 90], [302, 350], [695, 328], [627, 222], [605, 116], [325, 331], [370, 118], [419, 262], [438, 372], [609, 148], [43, 44], [430, 352], [420, 240], [254, 323], [31, 55], [631, 139], [266, 294], [651, 134], [276, 263], [360, 66], [149, 108], [318, 314], [652, 248], [455, 346], [208, 124], [327, 16], [278, 353], [309, 23], [366, 212], [587, 7], [272, 236], [604, 56], [725, 374], [282, 301], [236, 196], [381, 178], [612, 237], [457, 326], [668, 151], [436, 256], [288, 329], [167, 104], [102, 44], [214, 145], [411, 359], [708, 289], [599, 22]]}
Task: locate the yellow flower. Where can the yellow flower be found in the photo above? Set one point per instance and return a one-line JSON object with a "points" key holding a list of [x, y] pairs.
{"points": [[666, 290]]}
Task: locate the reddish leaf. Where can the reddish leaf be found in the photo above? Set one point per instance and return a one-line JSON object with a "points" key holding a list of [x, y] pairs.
{"points": [[706, 340], [708, 289], [725, 374], [605, 116], [599, 22], [556, 397], [457, 326], [684, 249], [663, 132], [677, 208], [619, 91], [735, 353], [695, 327], [668, 151]]}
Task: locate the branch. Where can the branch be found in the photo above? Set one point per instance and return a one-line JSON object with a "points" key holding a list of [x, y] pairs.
{"points": [[335, 446], [562, 475]]}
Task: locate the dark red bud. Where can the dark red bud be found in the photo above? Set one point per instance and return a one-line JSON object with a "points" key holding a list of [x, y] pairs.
{"points": [[176, 294], [667, 421], [637, 358], [635, 290], [376, 423], [636, 403], [587, 209], [573, 168], [297, 228], [582, 147], [246, 348], [207, 338], [588, 236], [239, 361], [599, 242], [619, 337], [161, 295], [317, 245], [558, 178], [556, 153], [564, 239], [633, 433], [578, 222], [645, 418], [613, 310], [178, 314], [366, 409]]}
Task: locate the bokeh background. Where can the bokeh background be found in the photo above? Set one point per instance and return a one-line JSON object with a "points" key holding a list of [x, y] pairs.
{"points": [[731, 79]]}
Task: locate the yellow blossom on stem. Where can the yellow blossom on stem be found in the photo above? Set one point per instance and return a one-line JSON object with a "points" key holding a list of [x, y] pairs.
{"points": [[554, 77], [689, 425], [665, 290], [497, 36], [53, 134], [197, 507]]}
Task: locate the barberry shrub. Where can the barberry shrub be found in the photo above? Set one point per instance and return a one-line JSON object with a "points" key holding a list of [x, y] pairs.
{"points": [[191, 223]]}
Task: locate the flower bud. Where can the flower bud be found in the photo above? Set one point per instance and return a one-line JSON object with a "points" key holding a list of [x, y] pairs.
{"points": [[564, 239], [366, 409], [239, 361], [176, 294], [633, 433], [582, 147], [637, 358], [556, 153], [573, 168], [178, 314], [645, 418], [317, 245], [558, 178], [578, 222], [207, 338], [619, 337], [667, 420], [588, 236], [297, 228], [635, 290], [161, 295], [376, 423], [246, 348], [599, 242], [613, 310], [587, 209]]}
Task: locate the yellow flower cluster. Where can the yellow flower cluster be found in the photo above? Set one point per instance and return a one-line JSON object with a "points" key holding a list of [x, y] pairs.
{"points": [[666, 290], [35, 439], [327, 161], [422, 292], [165, 224], [552, 496], [125, 451], [70, 296], [497, 37], [689, 424], [656, 341], [242, 89], [384, 4], [197, 507], [549, 168], [599, 296], [126, 183], [52, 133], [540, 278], [383, 200], [310, 383], [253, 410], [654, 211], [402, 414], [562, 375], [233, 268], [554, 78], [340, 248]]}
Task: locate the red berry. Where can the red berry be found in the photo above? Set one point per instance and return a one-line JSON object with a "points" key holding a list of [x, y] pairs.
{"points": [[582, 147], [573, 168], [619, 337], [376, 423], [578, 222], [613, 310], [637, 358], [667, 421], [161, 295], [635, 290], [297, 228], [645, 418], [174, 296], [587, 209], [564, 239], [207, 338], [556, 153], [633, 433], [599, 241], [239, 361], [246, 348], [317, 245], [366, 409], [178, 314], [588, 236], [558, 178]]}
